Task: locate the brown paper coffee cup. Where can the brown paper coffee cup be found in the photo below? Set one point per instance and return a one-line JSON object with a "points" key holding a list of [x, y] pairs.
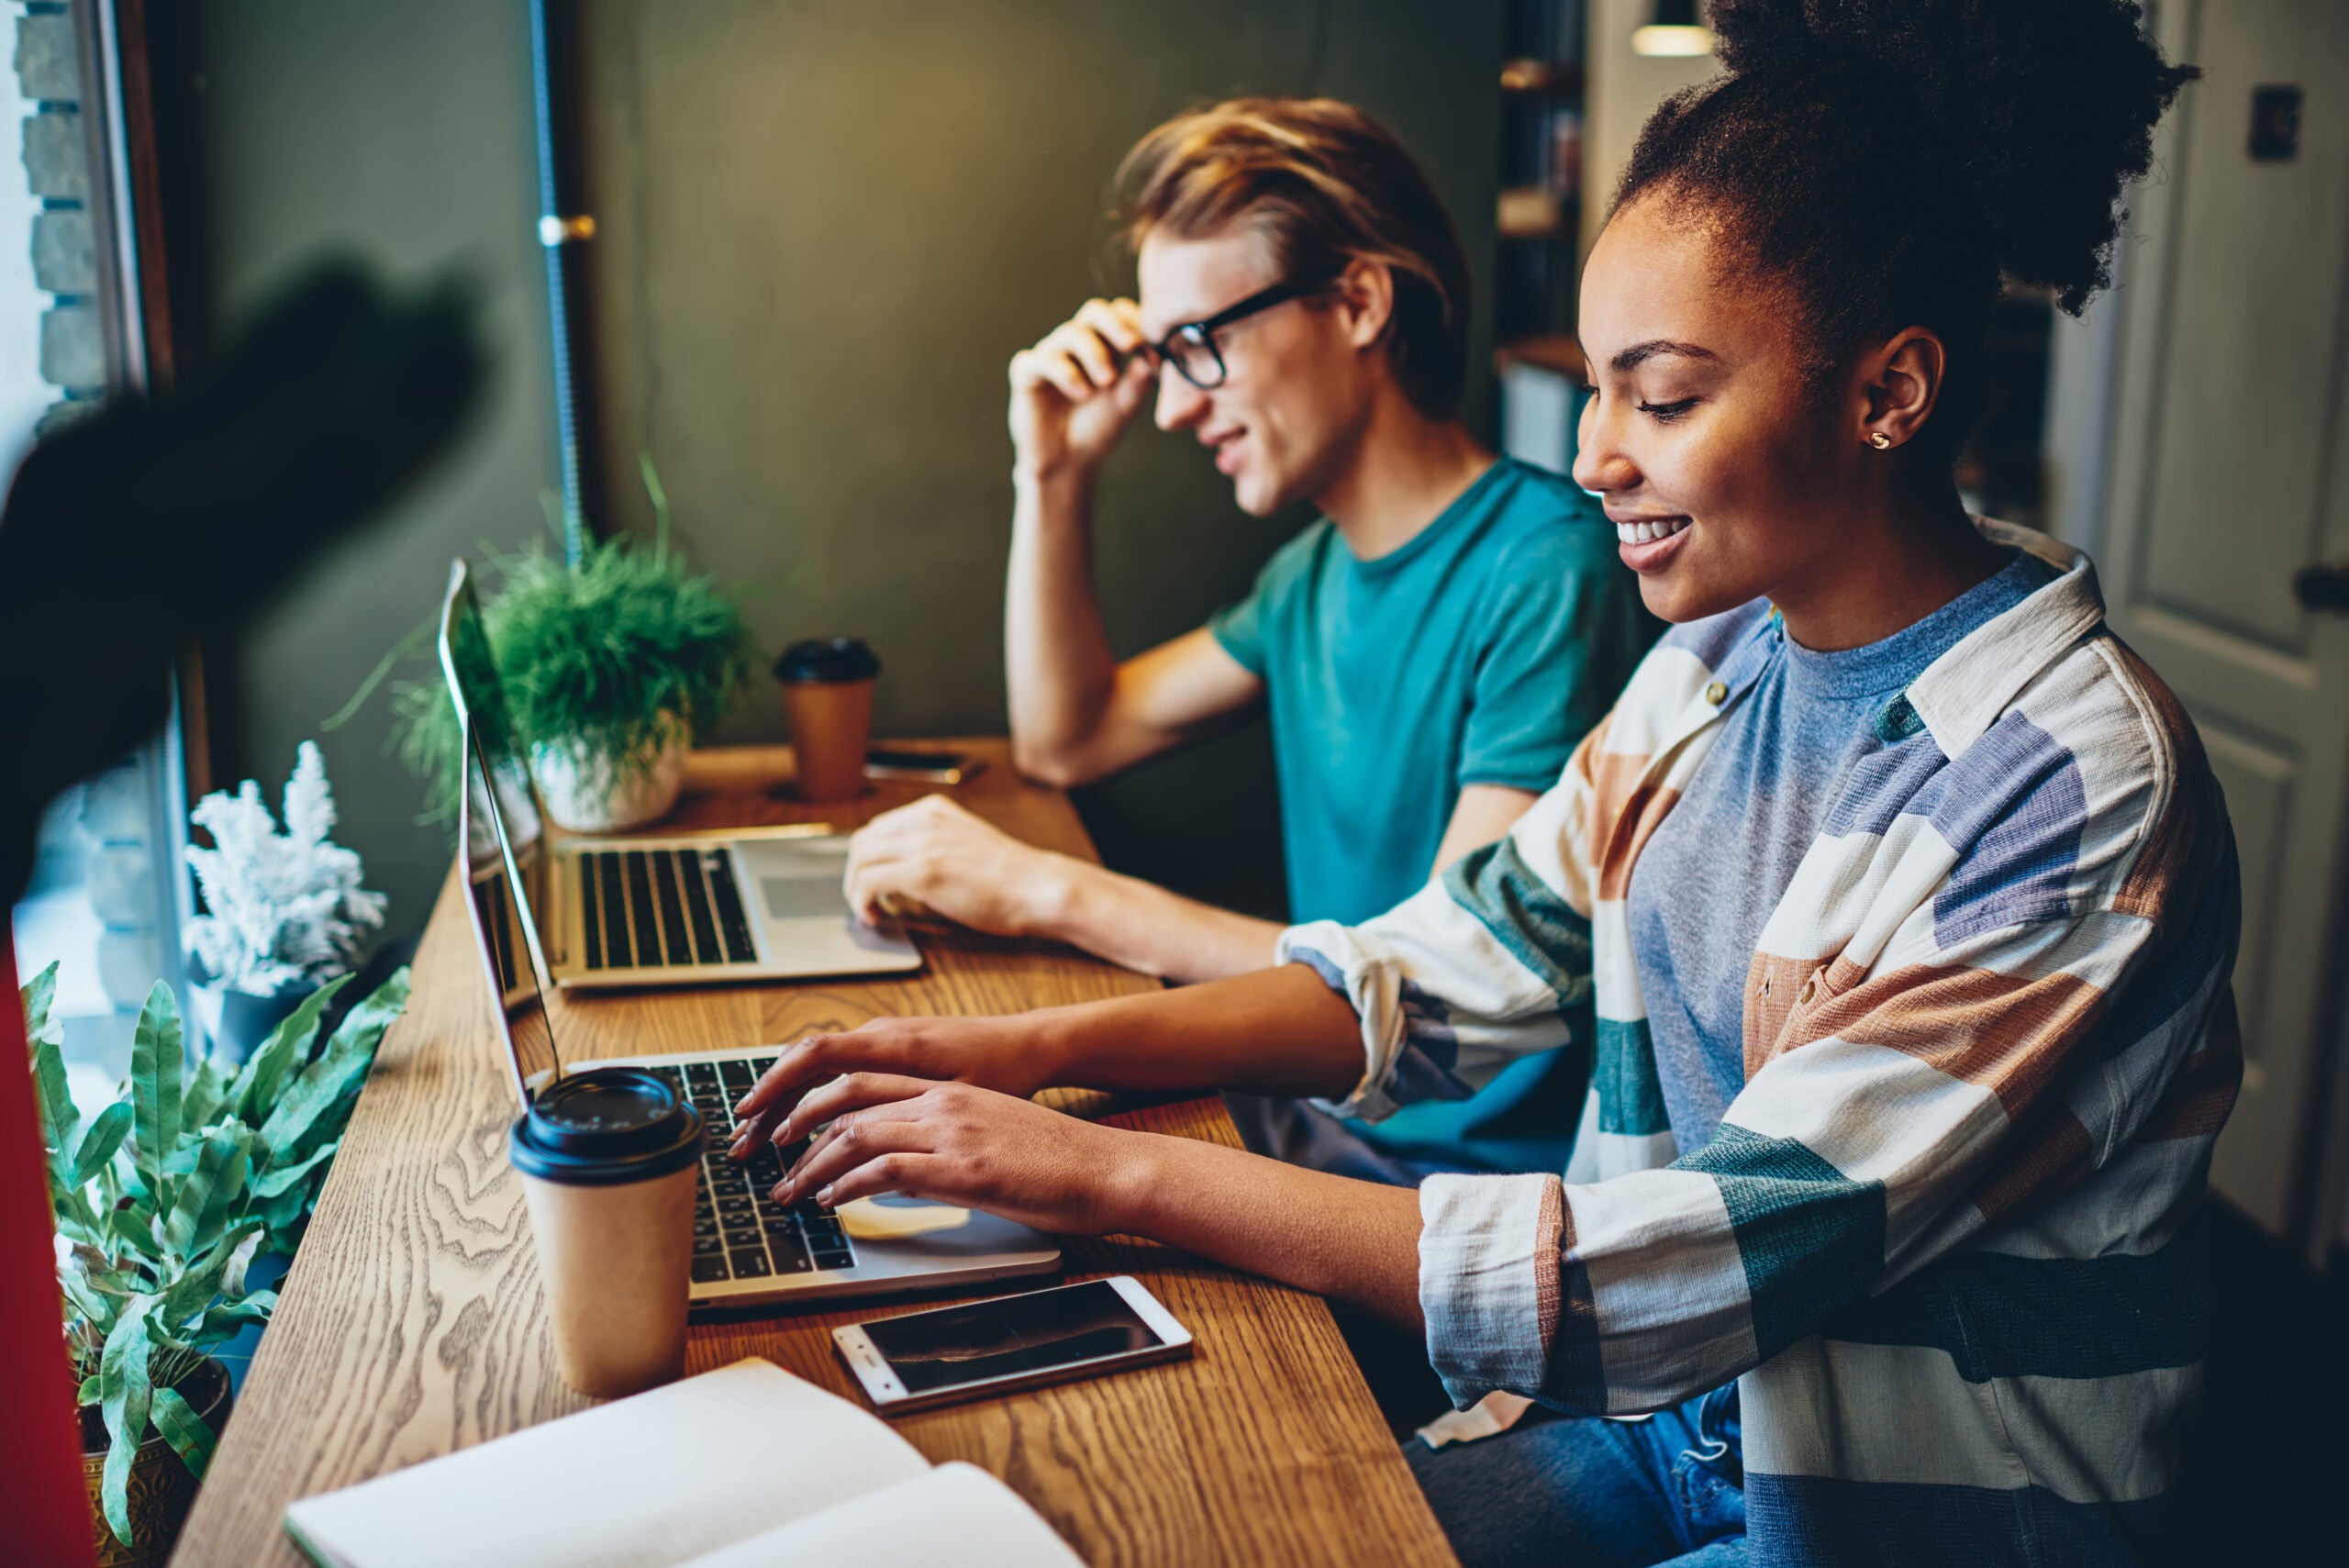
{"points": [[616, 1265], [827, 694], [609, 1159]]}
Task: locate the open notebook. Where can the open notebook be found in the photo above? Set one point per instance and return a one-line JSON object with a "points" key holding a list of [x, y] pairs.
{"points": [[737, 1468]]}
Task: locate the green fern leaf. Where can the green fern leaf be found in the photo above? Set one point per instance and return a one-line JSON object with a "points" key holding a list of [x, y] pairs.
{"points": [[158, 1055], [183, 1430], [126, 1396], [212, 1190], [98, 1144], [257, 1088]]}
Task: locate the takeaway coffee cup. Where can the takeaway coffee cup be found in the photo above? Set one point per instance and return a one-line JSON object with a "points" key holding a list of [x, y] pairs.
{"points": [[610, 1157], [827, 691]]}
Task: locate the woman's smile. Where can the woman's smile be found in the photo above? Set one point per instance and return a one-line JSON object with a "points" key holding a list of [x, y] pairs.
{"points": [[1647, 544]]}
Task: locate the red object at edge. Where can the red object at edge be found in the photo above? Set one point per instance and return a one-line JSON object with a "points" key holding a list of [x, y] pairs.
{"points": [[42, 1494]]}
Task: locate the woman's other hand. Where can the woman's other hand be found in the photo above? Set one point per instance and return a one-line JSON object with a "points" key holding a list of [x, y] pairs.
{"points": [[961, 1144], [1003, 1054]]}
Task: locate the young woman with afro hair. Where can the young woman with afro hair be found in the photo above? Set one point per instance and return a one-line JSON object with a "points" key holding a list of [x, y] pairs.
{"points": [[1902, 889]]}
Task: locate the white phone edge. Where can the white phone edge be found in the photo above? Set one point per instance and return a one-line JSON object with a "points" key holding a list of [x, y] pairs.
{"points": [[872, 1370], [1148, 1307], [885, 1389]]}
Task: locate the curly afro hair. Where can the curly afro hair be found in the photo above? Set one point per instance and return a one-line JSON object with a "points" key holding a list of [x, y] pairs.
{"points": [[1885, 160]]}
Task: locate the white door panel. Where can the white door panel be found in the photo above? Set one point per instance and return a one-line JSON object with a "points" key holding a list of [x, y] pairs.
{"points": [[2255, 272], [2229, 435]]}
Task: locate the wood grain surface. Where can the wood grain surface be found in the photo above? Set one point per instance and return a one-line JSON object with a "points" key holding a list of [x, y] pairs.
{"points": [[411, 1323]]}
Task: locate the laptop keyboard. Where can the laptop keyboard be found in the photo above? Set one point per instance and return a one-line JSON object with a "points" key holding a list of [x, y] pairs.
{"points": [[738, 1231], [661, 908]]}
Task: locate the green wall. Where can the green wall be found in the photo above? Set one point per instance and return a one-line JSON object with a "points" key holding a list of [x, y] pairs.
{"points": [[824, 226], [401, 133]]}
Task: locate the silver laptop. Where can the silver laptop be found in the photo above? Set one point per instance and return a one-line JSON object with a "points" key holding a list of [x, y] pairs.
{"points": [[662, 909], [747, 1247]]}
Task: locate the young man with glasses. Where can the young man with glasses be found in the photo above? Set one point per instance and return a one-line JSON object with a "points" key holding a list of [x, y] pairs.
{"points": [[1431, 648]]}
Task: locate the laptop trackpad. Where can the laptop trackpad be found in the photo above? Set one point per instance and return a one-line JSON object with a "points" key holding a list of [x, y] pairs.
{"points": [[810, 898], [798, 883], [802, 897], [799, 878]]}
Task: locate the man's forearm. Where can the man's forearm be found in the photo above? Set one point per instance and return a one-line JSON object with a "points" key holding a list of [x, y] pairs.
{"points": [[1145, 927], [1355, 1241], [1056, 655], [1275, 1031]]}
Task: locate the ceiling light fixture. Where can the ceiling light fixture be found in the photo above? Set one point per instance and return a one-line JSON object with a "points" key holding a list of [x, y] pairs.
{"points": [[1676, 32]]}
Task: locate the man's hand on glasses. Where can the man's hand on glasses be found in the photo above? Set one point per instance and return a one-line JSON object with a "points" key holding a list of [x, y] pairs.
{"points": [[1074, 392]]}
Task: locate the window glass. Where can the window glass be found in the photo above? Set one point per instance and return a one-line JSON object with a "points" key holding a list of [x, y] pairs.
{"points": [[108, 887], [24, 394]]}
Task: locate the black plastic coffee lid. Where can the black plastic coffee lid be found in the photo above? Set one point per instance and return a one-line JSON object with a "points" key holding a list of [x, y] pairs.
{"points": [[829, 660], [606, 1126]]}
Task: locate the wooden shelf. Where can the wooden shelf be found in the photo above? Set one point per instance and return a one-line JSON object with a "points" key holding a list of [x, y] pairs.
{"points": [[1553, 352], [1558, 78], [1530, 211]]}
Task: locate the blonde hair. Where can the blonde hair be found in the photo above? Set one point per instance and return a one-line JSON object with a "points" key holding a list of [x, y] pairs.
{"points": [[1324, 185]]}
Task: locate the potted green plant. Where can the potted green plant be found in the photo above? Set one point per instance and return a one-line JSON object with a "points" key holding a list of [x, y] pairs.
{"points": [[163, 1201], [285, 910], [612, 669]]}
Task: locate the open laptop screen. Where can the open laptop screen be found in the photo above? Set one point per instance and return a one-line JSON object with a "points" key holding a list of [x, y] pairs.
{"points": [[498, 924], [479, 702], [471, 673]]}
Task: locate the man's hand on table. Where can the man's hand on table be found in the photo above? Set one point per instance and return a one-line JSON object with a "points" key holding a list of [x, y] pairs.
{"points": [[937, 854]]}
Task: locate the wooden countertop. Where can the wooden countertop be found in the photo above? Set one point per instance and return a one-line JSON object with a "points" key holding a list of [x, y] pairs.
{"points": [[411, 1323]]}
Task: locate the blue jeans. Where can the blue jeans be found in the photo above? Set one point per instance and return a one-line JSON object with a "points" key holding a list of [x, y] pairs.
{"points": [[1594, 1494]]}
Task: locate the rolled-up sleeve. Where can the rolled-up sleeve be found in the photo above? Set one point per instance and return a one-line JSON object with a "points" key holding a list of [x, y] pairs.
{"points": [[1489, 1249], [1488, 963]]}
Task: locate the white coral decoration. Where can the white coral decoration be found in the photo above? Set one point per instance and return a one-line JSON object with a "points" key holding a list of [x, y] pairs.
{"points": [[286, 908]]}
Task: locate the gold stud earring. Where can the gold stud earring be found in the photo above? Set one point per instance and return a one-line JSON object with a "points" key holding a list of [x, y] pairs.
{"points": [[1879, 441]]}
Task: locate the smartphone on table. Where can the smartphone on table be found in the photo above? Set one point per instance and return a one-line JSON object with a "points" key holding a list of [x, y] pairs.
{"points": [[922, 767], [1010, 1342]]}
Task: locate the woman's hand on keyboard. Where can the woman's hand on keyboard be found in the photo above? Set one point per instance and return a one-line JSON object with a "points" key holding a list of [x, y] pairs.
{"points": [[998, 1053], [961, 1144]]}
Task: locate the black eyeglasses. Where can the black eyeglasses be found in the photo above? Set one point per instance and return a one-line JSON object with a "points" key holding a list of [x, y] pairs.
{"points": [[1191, 348]]}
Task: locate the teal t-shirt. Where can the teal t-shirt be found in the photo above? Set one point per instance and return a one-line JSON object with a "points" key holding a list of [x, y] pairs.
{"points": [[1480, 652]]}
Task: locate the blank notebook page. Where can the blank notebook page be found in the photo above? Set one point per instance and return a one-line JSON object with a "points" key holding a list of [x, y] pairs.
{"points": [[641, 1483], [956, 1515]]}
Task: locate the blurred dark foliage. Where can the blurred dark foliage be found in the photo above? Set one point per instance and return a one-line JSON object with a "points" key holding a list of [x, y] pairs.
{"points": [[149, 523]]}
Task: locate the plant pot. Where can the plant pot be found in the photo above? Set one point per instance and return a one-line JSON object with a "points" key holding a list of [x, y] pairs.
{"points": [[587, 793], [239, 1021], [161, 1491], [266, 1272]]}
